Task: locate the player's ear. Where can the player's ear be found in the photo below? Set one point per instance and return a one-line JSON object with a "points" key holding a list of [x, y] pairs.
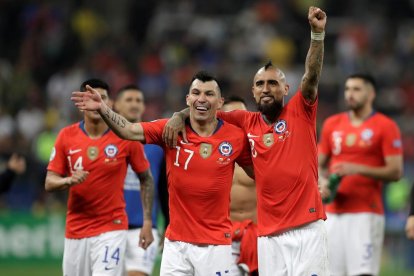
{"points": [[110, 103], [186, 100], [286, 89], [220, 103]]}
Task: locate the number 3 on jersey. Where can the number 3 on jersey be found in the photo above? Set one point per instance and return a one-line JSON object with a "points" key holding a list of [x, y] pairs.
{"points": [[77, 166], [190, 155]]}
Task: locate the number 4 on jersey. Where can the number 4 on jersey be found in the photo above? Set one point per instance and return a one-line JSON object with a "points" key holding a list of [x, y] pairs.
{"points": [[78, 166]]}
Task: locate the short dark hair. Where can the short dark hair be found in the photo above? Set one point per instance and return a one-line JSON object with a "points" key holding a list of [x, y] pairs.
{"points": [[234, 98], [205, 76], [125, 88], [366, 77], [94, 83]]}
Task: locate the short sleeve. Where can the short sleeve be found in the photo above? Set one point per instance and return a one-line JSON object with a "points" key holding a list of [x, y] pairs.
{"points": [[153, 131], [324, 146], [245, 158], [137, 158], [58, 160], [391, 142], [302, 106]]}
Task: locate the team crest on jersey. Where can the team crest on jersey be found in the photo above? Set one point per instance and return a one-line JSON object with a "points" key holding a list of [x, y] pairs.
{"points": [[111, 151], [225, 149], [205, 150], [280, 126], [268, 139], [367, 134], [350, 139], [92, 153]]}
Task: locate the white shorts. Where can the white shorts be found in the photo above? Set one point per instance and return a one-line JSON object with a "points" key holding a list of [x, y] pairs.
{"points": [[236, 269], [183, 259], [355, 243], [300, 251], [98, 255], [138, 259]]}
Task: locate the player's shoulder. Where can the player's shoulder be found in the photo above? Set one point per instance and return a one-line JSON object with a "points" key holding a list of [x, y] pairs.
{"points": [[336, 118], [72, 129], [383, 119]]}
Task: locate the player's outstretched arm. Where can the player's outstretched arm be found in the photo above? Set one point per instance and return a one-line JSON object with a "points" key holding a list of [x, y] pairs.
{"points": [[314, 58], [175, 126], [147, 198], [90, 100], [56, 182]]}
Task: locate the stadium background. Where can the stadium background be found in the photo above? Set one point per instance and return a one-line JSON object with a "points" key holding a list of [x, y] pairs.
{"points": [[47, 48]]}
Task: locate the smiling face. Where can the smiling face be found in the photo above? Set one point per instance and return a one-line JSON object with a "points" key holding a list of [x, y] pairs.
{"points": [[204, 98], [130, 104], [269, 89]]}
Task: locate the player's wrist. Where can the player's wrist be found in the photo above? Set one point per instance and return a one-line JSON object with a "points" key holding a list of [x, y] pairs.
{"points": [[67, 182], [147, 222], [317, 35]]}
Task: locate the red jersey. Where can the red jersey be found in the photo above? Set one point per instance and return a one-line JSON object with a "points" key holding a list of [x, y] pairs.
{"points": [[96, 205], [367, 144], [285, 165], [200, 175]]}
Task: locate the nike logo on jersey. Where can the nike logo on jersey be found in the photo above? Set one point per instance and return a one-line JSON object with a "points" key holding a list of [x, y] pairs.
{"points": [[252, 135], [74, 151]]}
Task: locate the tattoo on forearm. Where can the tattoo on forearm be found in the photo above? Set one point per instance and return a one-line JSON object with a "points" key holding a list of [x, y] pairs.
{"points": [[147, 193], [314, 61], [114, 118]]}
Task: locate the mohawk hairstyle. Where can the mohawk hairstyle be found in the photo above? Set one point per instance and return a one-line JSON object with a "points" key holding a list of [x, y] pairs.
{"points": [[268, 65]]}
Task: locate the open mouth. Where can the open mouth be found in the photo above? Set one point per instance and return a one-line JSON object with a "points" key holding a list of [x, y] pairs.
{"points": [[201, 109], [267, 99]]}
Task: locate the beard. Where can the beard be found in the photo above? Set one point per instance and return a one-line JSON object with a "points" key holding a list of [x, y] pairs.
{"points": [[270, 110], [355, 106]]}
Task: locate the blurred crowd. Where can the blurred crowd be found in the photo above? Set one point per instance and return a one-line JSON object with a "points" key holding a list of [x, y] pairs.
{"points": [[50, 47]]}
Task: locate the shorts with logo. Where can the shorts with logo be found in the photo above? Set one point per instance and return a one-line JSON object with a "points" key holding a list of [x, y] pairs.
{"points": [[98, 255], [354, 243]]}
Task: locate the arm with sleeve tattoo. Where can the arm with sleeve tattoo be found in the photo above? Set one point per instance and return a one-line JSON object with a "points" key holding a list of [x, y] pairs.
{"points": [[147, 197], [90, 100], [314, 58]]}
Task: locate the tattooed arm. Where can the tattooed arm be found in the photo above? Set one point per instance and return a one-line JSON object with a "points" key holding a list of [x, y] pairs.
{"points": [[147, 197], [314, 58], [147, 193], [90, 100]]}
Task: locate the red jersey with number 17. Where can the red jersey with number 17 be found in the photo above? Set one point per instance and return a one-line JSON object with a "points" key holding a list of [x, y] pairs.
{"points": [[368, 144], [285, 165], [96, 205], [200, 175]]}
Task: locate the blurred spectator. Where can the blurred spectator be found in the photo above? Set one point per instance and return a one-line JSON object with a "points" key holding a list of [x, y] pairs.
{"points": [[15, 165]]}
